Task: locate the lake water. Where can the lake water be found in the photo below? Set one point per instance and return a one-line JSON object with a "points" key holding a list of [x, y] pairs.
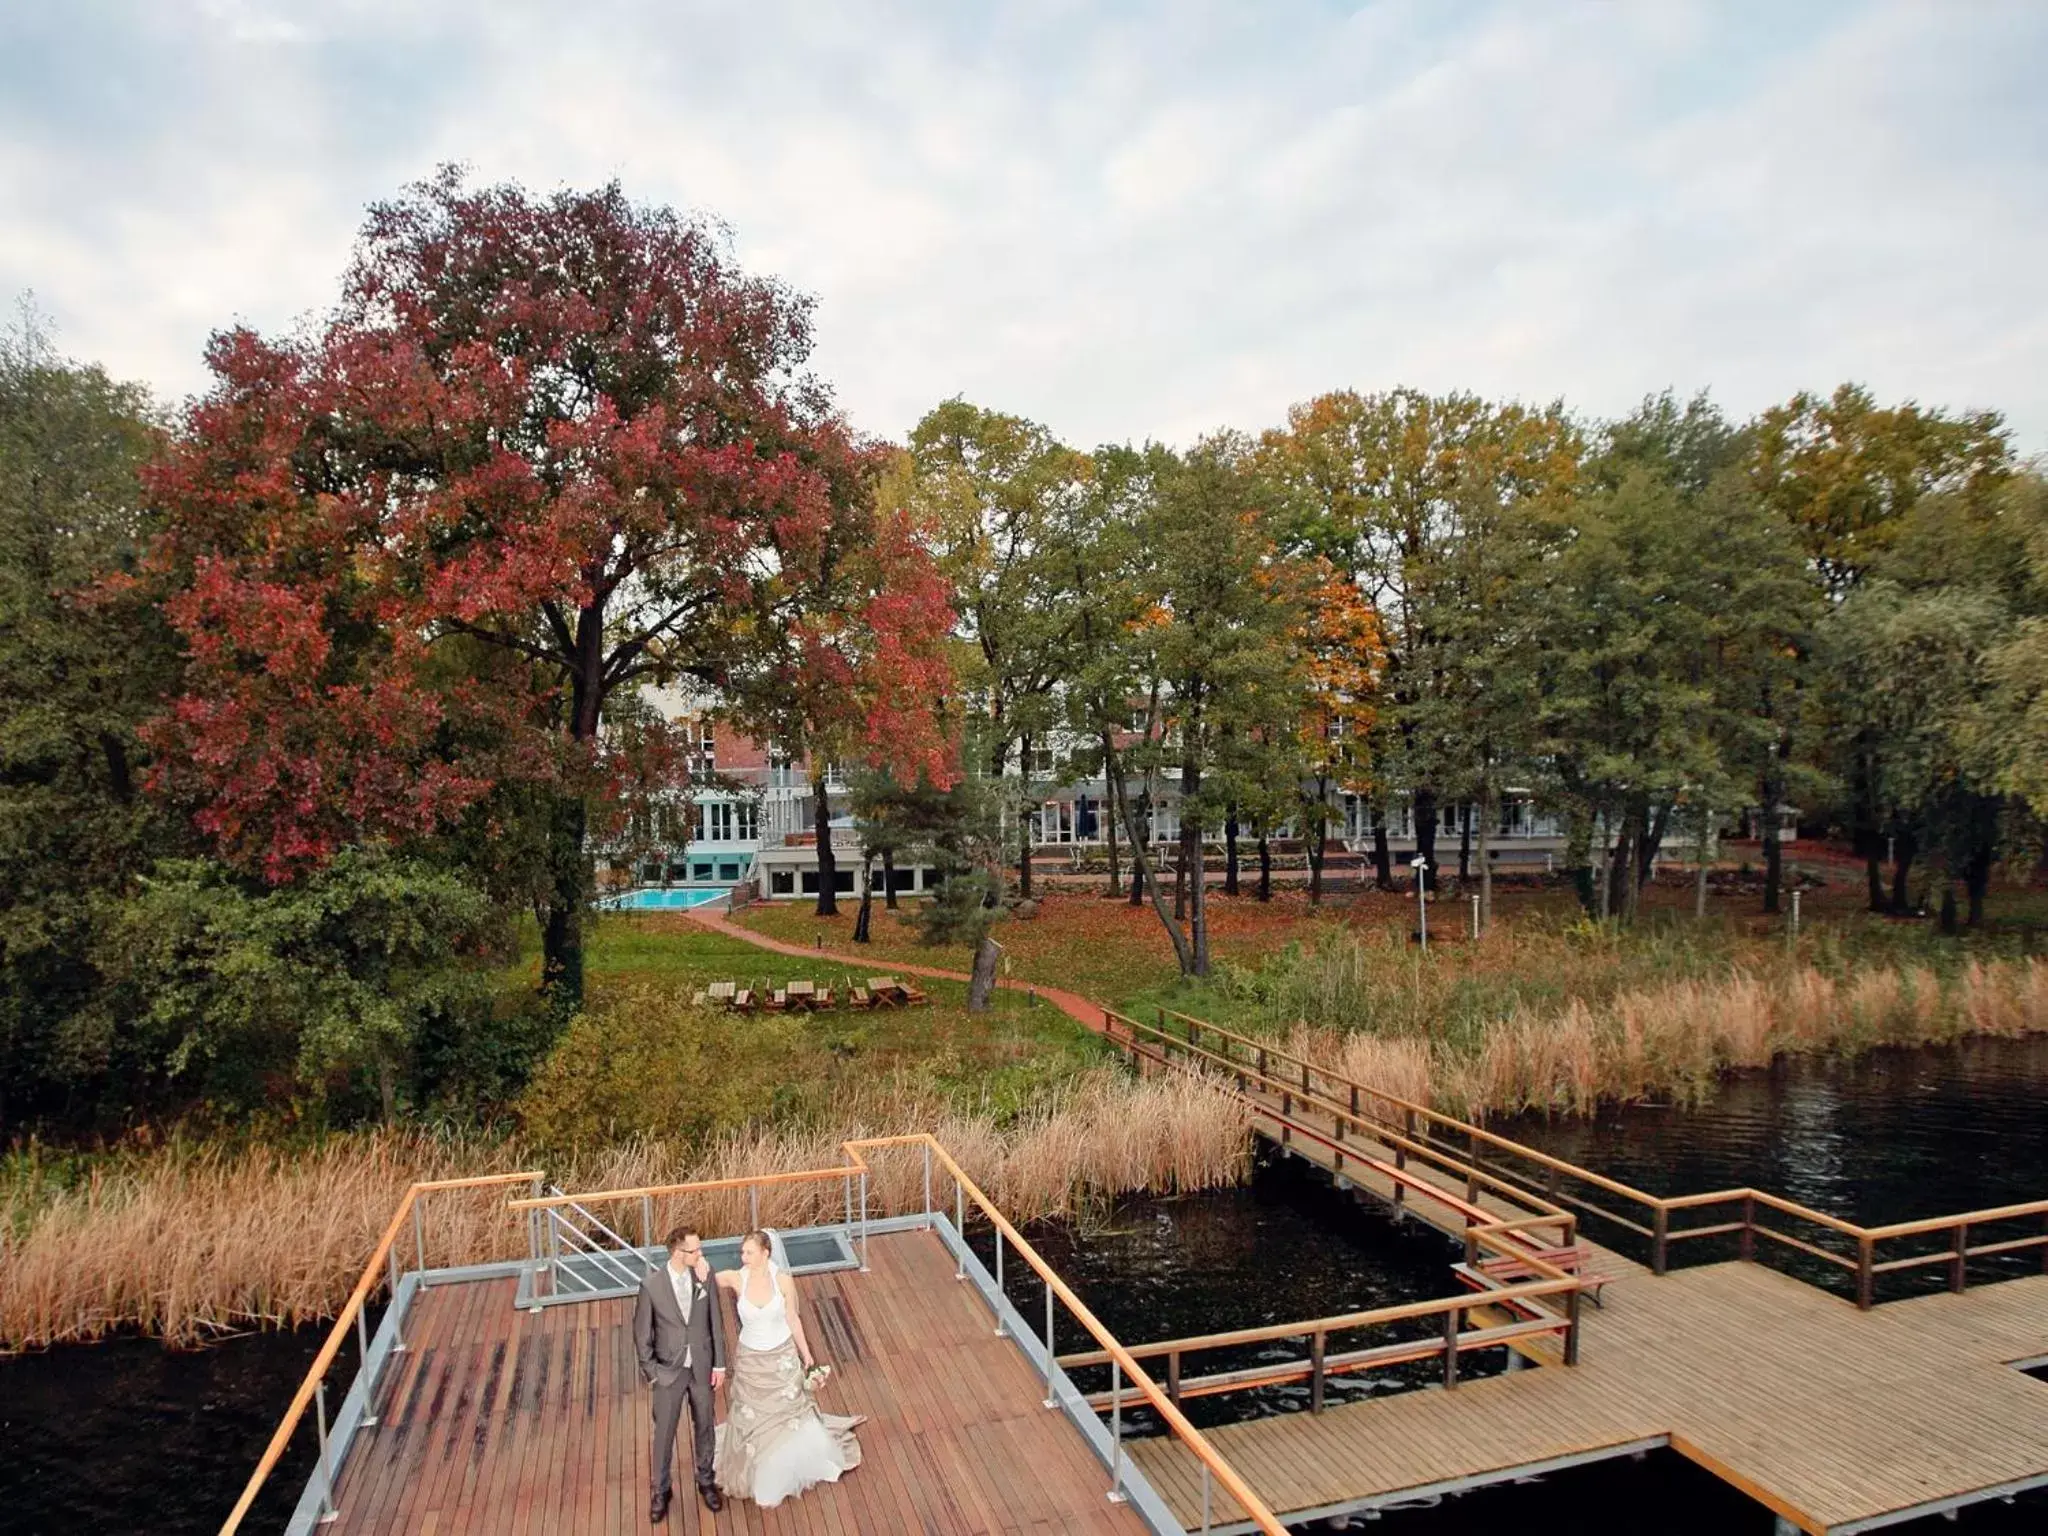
{"points": [[129, 1437]]}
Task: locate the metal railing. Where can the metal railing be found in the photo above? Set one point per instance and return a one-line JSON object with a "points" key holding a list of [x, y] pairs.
{"points": [[1516, 1172], [384, 1265]]}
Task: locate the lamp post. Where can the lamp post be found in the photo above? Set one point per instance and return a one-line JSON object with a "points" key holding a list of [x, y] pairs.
{"points": [[1421, 867]]}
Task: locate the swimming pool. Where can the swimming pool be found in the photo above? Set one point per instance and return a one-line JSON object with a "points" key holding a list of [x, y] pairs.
{"points": [[659, 900]]}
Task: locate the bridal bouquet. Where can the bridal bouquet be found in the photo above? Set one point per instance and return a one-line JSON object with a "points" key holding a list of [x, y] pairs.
{"points": [[815, 1377]]}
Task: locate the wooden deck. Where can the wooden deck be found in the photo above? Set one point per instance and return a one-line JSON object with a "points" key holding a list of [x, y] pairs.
{"points": [[1829, 1416], [536, 1423]]}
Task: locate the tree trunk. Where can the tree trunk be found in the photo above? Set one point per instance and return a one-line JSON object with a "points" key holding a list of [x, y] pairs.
{"points": [[1464, 842], [1180, 874], [1425, 835], [1606, 862], [1905, 847], [1135, 825], [867, 901], [1109, 818], [1652, 843], [1578, 855], [1703, 847], [1143, 883], [828, 866], [982, 985], [1382, 855], [1488, 811], [1773, 790], [889, 878], [387, 1093], [1024, 822], [1230, 850], [561, 966], [1318, 837], [1265, 866]]}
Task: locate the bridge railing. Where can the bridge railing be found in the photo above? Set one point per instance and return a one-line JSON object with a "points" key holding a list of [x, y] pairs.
{"points": [[858, 1177], [1301, 1087], [1759, 1222], [386, 1265]]}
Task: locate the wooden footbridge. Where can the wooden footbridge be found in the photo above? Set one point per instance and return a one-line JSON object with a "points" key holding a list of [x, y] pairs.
{"points": [[501, 1396], [1837, 1413]]}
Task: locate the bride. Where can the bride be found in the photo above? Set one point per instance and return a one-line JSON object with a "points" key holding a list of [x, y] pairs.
{"points": [[774, 1442]]}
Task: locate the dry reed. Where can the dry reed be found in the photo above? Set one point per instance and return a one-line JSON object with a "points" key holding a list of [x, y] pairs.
{"points": [[1673, 1039], [188, 1243]]}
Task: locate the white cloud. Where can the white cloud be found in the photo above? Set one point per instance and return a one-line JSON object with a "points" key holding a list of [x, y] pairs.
{"points": [[1143, 223]]}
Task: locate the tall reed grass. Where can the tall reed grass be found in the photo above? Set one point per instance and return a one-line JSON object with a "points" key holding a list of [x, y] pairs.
{"points": [[191, 1242], [1659, 1039]]}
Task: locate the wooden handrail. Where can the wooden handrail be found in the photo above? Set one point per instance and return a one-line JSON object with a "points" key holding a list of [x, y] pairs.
{"points": [[1226, 1475], [1659, 1206], [1343, 1322], [700, 1187], [1339, 1112], [372, 1272], [1942, 1223]]}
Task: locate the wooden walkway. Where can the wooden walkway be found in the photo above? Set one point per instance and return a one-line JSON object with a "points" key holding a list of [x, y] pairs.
{"points": [[1829, 1416], [536, 1423]]}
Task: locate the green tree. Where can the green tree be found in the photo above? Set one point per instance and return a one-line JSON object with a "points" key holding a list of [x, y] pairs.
{"points": [[994, 488], [1381, 486], [81, 665]]}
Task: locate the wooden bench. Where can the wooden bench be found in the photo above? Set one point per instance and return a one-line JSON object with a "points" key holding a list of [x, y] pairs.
{"points": [[860, 997], [1507, 1269]]}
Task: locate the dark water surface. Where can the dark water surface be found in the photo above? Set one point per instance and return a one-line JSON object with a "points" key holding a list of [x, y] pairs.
{"points": [[127, 1436]]}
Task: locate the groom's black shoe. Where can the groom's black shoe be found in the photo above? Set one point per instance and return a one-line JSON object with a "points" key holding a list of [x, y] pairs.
{"points": [[657, 1509], [713, 1499]]}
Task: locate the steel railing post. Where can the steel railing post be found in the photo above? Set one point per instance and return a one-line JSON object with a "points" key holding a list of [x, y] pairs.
{"points": [[1116, 1432], [647, 1221], [927, 1186], [999, 1281], [1571, 1330], [1958, 1265], [419, 1231], [846, 1188], [369, 1418], [1050, 1400], [397, 1323], [1451, 1348], [1866, 1273], [1316, 1344], [960, 1227], [328, 1510], [864, 1221], [753, 1207], [1660, 1241]]}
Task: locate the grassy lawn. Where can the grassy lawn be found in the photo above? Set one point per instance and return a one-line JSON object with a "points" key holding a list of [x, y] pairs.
{"points": [[643, 1061]]}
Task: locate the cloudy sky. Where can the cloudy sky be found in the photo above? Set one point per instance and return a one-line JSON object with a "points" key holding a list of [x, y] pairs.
{"points": [[1125, 220]]}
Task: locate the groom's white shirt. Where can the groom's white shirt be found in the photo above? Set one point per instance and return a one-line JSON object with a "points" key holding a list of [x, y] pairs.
{"points": [[680, 1280]]}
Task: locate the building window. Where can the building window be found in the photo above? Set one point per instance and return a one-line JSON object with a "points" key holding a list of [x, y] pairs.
{"points": [[781, 882], [810, 882], [707, 748], [746, 821], [1044, 761], [700, 871]]}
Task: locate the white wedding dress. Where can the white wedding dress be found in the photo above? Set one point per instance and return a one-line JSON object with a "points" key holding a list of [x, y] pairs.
{"points": [[775, 1442]]}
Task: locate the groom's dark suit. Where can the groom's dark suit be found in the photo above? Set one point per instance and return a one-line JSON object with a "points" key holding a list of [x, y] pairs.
{"points": [[677, 1358]]}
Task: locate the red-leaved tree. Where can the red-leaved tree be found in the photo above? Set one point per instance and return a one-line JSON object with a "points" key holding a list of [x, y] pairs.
{"points": [[542, 452]]}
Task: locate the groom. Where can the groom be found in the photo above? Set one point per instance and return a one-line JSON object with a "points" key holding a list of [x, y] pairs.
{"points": [[679, 1335]]}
